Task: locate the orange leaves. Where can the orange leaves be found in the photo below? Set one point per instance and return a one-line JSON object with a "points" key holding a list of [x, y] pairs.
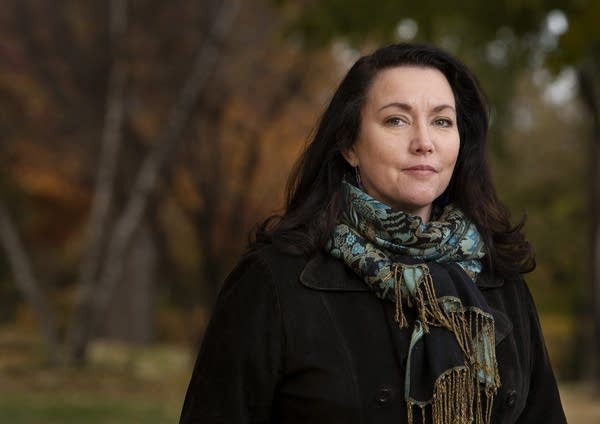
{"points": [[47, 173]]}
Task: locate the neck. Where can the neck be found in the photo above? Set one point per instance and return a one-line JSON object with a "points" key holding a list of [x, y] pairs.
{"points": [[423, 212]]}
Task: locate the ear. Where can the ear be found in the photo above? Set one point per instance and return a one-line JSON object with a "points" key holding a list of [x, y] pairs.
{"points": [[350, 155]]}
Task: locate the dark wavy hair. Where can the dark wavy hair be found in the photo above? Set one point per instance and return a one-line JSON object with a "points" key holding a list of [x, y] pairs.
{"points": [[312, 196]]}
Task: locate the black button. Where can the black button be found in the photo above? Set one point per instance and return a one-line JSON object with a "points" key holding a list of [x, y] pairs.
{"points": [[511, 399], [384, 395]]}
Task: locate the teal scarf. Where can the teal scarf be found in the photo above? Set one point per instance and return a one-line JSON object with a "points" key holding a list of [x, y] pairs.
{"points": [[429, 268]]}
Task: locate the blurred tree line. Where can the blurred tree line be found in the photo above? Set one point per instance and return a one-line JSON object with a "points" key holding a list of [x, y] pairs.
{"points": [[141, 140]]}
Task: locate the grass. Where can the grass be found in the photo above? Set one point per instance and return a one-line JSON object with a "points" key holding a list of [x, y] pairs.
{"points": [[581, 404], [122, 384], [98, 394], [49, 409]]}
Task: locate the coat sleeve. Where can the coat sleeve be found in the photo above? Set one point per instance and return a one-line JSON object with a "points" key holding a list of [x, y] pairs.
{"points": [[543, 403], [238, 365]]}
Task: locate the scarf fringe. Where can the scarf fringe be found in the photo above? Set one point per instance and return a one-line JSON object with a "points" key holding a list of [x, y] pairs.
{"points": [[429, 310], [457, 394], [457, 399]]}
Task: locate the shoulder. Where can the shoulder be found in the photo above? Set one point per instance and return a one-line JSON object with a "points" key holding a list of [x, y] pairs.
{"points": [[495, 286], [262, 269], [285, 273], [509, 295], [276, 260], [279, 265], [499, 286], [510, 298]]}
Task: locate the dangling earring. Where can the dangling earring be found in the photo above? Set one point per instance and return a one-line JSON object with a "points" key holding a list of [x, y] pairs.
{"points": [[358, 180]]}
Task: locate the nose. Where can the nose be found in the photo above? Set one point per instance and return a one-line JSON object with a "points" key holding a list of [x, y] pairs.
{"points": [[421, 142]]}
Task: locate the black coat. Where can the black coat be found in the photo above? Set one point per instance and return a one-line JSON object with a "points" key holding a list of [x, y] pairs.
{"points": [[297, 341]]}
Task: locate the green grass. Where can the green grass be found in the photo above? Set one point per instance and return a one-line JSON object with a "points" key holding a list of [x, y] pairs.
{"points": [[49, 409], [121, 384]]}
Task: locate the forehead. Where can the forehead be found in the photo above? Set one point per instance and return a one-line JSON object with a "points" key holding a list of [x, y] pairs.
{"points": [[410, 84]]}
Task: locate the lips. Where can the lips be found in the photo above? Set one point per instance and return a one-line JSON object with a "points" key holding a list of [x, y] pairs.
{"points": [[421, 168]]}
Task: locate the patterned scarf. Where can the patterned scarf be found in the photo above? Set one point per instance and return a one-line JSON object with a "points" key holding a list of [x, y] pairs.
{"points": [[430, 268]]}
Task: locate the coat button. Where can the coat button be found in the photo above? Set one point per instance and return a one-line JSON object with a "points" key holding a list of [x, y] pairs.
{"points": [[511, 399], [384, 395]]}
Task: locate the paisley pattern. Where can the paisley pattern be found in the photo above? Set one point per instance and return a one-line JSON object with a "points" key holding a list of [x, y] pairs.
{"points": [[431, 268], [374, 235]]}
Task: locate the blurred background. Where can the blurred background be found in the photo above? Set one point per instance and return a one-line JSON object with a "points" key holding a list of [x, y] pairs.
{"points": [[141, 140]]}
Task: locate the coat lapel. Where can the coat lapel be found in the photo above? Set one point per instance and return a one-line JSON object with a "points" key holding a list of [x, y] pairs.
{"points": [[324, 272], [503, 325]]}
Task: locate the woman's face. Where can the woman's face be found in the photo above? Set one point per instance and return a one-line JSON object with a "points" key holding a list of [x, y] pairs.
{"points": [[408, 141]]}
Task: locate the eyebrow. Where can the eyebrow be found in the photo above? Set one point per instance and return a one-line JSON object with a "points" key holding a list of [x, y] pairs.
{"points": [[407, 107]]}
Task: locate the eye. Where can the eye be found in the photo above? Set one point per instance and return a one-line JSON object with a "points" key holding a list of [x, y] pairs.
{"points": [[443, 122], [394, 121]]}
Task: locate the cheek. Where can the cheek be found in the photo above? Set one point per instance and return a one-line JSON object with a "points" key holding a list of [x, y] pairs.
{"points": [[374, 153], [452, 153], [450, 160], [454, 159]]}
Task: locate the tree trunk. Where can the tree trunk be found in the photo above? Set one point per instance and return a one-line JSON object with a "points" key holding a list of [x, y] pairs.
{"points": [[102, 200], [589, 94], [130, 314], [27, 283]]}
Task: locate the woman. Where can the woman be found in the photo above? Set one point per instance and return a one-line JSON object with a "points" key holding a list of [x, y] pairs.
{"points": [[390, 290]]}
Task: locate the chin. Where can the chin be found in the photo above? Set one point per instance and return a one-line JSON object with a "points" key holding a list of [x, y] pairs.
{"points": [[416, 203]]}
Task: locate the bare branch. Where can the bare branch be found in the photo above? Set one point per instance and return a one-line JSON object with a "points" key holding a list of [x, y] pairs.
{"points": [[107, 166], [27, 283]]}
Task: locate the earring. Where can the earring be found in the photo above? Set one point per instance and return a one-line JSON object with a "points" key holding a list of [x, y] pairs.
{"points": [[358, 180]]}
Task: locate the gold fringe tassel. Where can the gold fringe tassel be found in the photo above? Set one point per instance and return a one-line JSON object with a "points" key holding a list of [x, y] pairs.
{"points": [[457, 394], [457, 399]]}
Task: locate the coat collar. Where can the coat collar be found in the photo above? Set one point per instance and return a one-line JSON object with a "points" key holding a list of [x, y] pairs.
{"points": [[502, 325], [324, 272]]}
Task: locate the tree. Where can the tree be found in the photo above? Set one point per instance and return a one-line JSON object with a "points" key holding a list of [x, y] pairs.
{"points": [[590, 94]]}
